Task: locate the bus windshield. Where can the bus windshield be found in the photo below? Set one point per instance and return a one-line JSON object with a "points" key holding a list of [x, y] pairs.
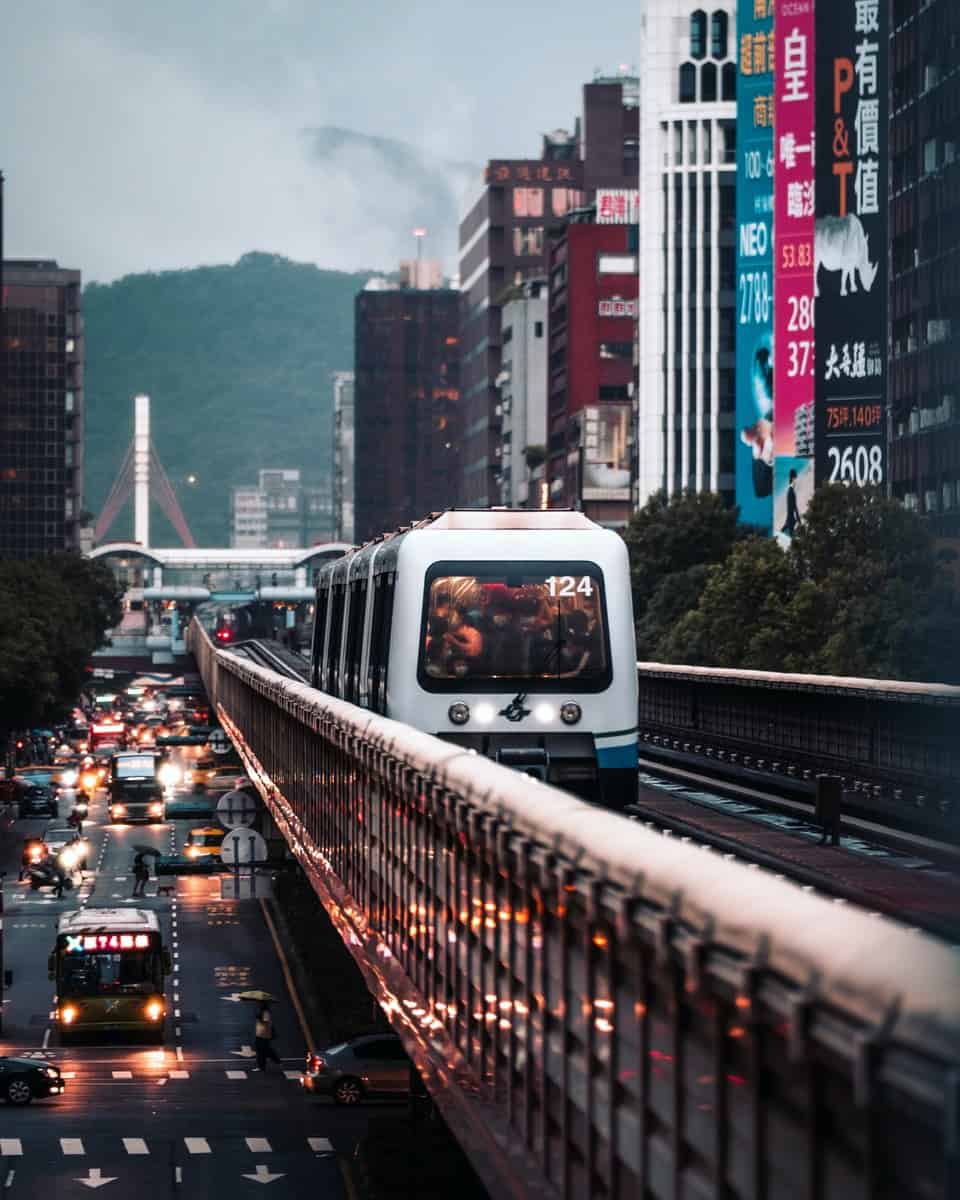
{"points": [[102, 973], [509, 627]]}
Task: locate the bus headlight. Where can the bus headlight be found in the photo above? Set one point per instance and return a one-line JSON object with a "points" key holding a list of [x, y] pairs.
{"points": [[459, 713], [118, 810], [68, 1014], [570, 713], [156, 810], [154, 1010]]}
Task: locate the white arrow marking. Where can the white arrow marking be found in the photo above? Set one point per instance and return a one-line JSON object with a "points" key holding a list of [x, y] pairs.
{"points": [[263, 1175], [95, 1179], [244, 1052]]}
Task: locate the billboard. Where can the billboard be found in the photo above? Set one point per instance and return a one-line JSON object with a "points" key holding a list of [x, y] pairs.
{"points": [[618, 206], [754, 343], [794, 106], [851, 242], [605, 461]]}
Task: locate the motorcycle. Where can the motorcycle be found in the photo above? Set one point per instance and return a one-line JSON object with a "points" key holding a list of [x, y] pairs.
{"points": [[49, 874]]}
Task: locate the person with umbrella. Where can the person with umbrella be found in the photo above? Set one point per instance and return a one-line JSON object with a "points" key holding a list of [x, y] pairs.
{"points": [[141, 871], [264, 1032]]}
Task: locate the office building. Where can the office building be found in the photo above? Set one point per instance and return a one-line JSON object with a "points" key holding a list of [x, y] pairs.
{"points": [[41, 410], [343, 455], [405, 396], [503, 240], [248, 518], [523, 396], [924, 227], [685, 393], [593, 309], [281, 512]]}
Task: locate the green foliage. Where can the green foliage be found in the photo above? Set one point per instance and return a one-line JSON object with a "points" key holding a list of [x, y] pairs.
{"points": [[237, 360], [56, 611], [860, 591]]}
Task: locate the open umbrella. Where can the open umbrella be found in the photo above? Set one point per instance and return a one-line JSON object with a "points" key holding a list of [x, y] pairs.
{"points": [[149, 850], [261, 997]]}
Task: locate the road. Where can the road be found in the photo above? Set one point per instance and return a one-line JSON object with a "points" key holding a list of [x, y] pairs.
{"points": [[184, 1119]]}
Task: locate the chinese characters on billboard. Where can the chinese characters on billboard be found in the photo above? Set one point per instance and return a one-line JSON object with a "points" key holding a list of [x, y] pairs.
{"points": [[754, 345], [618, 206], [794, 205], [850, 244]]}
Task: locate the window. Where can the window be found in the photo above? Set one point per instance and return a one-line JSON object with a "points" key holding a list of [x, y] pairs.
{"points": [[564, 200], [620, 391], [698, 34], [617, 350], [528, 202], [688, 83], [728, 132], [358, 607], [930, 155], [380, 626], [527, 240], [490, 628], [718, 34], [331, 681], [708, 82], [729, 81], [538, 329], [617, 264]]}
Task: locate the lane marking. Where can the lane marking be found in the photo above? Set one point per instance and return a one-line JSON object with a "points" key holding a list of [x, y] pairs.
{"points": [[8, 1182], [178, 1174], [46, 1038], [236, 1074], [11, 1147], [258, 1145], [179, 1054], [135, 1146], [197, 1145], [122, 1074], [320, 1145], [292, 1074], [72, 1146], [179, 1074], [176, 1012]]}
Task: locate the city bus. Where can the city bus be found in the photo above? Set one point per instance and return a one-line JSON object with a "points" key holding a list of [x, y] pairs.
{"points": [[109, 966], [114, 732], [136, 791]]}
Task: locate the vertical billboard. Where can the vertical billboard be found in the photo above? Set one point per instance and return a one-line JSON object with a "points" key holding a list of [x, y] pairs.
{"points": [[851, 241], [794, 99], [754, 345]]}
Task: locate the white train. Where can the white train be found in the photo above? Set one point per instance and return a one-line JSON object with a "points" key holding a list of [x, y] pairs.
{"points": [[504, 631]]}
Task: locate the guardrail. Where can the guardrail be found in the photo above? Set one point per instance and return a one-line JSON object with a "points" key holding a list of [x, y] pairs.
{"points": [[599, 1010], [896, 744]]}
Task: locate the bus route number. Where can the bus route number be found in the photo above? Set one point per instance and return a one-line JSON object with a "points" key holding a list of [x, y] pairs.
{"points": [[570, 585]]}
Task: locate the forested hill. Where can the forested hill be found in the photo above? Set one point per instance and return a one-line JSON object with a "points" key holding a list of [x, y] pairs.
{"points": [[237, 362]]}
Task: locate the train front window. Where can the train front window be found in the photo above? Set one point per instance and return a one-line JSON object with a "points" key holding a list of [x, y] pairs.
{"points": [[533, 625]]}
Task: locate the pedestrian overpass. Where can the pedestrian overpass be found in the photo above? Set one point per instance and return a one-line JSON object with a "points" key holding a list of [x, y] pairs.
{"points": [[598, 1010]]}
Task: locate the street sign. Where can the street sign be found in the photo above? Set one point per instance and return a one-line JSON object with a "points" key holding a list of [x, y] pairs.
{"points": [[218, 741], [237, 809], [243, 846]]}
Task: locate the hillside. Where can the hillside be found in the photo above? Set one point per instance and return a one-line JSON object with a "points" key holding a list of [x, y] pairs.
{"points": [[237, 360]]}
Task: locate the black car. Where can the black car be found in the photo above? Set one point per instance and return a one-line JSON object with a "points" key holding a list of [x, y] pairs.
{"points": [[23, 1080], [30, 799]]}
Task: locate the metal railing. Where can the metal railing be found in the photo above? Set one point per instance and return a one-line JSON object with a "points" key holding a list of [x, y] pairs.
{"points": [[599, 1010]]}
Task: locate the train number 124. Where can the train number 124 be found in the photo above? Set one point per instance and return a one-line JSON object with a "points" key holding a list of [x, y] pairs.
{"points": [[569, 585]]}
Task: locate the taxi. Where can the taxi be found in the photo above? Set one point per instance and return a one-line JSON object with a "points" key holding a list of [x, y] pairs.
{"points": [[204, 843]]}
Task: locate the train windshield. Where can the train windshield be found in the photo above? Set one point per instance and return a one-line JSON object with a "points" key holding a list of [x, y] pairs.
{"points": [[501, 628]]}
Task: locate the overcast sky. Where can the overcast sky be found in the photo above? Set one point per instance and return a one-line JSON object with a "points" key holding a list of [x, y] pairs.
{"points": [[142, 136]]}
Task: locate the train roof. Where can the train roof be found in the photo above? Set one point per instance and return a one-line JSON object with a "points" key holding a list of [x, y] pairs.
{"points": [[496, 519], [105, 920]]}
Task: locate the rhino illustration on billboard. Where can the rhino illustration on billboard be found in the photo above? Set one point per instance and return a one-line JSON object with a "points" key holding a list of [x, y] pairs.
{"points": [[841, 245]]}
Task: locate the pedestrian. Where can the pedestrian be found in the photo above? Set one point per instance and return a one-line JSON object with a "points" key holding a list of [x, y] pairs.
{"points": [[264, 1034], [141, 873]]}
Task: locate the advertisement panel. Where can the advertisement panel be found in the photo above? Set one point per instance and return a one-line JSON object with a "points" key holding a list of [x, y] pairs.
{"points": [[605, 462], [851, 241], [754, 346], [794, 104]]}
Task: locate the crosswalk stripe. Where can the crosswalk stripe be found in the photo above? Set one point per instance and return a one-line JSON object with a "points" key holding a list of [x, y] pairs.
{"points": [[320, 1145], [258, 1145], [135, 1146], [197, 1145], [179, 1074], [68, 1074], [236, 1074], [122, 1074], [10, 1147], [72, 1146], [292, 1074]]}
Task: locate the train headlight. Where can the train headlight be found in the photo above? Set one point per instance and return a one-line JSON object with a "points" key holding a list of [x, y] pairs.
{"points": [[485, 713], [459, 713], [570, 713], [545, 713]]}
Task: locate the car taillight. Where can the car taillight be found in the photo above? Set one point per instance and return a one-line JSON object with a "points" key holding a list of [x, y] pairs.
{"points": [[315, 1062]]}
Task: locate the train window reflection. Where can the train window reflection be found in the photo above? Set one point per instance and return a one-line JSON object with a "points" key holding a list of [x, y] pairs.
{"points": [[512, 629]]}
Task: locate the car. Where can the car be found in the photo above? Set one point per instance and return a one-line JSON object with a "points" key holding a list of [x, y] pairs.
{"points": [[64, 843], [23, 1080], [375, 1064], [30, 799], [35, 852], [204, 842]]}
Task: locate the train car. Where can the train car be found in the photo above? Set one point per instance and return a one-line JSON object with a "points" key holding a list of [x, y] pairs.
{"points": [[508, 632]]}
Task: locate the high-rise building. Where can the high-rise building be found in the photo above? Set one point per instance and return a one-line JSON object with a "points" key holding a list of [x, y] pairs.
{"points": [[248, 518], [924, 225], [41, 410], [687, 306], [405, 396], [280, 511], [593, 311], [343, 455], [523, 391], [503, 240]]}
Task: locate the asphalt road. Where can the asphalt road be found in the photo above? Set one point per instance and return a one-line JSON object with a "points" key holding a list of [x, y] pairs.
{"points": [[190, 1117]]}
